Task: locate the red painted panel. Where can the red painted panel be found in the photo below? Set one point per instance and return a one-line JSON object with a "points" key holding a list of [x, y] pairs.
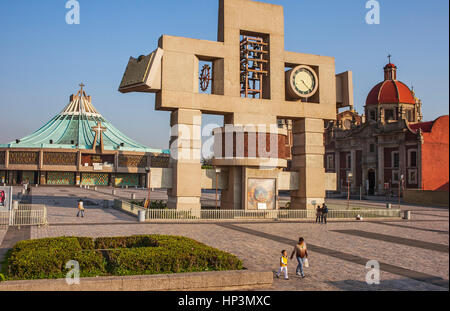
{"points": [[435, 156]]}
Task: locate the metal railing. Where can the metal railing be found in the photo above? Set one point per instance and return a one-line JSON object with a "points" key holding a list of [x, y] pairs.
{"points": [[25, 215], [281, 214], [127, 207], [171, 214]]}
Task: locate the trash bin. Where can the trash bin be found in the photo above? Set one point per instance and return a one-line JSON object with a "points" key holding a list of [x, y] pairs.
{"points": [[141, 215], [407, 215]]}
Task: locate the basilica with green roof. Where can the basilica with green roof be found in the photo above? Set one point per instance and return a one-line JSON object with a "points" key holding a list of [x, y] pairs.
{"points": [[79, 147]]}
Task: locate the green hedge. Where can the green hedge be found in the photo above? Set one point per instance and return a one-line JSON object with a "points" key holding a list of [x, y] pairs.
{"points": [[173, 254], [132, 255], [46, 258]]}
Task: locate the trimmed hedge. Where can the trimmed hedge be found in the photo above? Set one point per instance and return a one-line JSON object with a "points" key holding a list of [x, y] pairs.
{"points": [[46, 258], [172, 254], [132, 255]]}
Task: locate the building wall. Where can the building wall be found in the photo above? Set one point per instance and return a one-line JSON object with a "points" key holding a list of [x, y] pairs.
{"points": [[426, 197], [435, 156]]}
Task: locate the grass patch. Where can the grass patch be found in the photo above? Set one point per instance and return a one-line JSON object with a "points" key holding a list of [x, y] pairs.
{"points": [[131, 255]]}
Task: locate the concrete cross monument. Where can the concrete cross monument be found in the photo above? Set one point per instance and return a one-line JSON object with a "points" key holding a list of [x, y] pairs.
{"points": [[254, 83], [98, 129]]}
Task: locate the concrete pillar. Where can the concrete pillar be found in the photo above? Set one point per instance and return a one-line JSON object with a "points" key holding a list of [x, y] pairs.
{"points": [[403, 162], [337, 165], [380, 171], [185, 152], [307, 159], [231, 197], [353, 170]]}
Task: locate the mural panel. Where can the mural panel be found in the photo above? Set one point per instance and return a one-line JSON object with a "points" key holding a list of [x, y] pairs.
{"points": [[261, 193], [130, 180], [61, 178], [22, 157], [160, 161], [132, 161], [95, 179], [60, 158]]}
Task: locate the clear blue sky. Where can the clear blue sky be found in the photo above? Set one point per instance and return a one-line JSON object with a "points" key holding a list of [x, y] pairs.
{"points": [[42, 59]]}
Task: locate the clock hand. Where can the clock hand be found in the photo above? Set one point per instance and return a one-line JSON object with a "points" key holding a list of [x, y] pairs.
{"points": [[305, 84]]}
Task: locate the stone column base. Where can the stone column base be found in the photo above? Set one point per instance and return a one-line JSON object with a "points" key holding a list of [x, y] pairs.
{"points": [[305, 203]]}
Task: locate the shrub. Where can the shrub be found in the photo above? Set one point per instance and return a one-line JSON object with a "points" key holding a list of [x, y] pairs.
{"points": [[125, 242], [86, 243], [174, 254], [46, 258], [132, 255]]}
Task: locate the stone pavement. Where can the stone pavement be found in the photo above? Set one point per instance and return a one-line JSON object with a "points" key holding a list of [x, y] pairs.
{"points": [[413, 254]]}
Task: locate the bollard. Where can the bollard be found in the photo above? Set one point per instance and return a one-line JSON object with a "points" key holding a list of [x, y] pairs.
{"points": [[15, 205], [407, 215], [141, 215], [133, 196], [114, 192], [95, 188], [388, 205]]}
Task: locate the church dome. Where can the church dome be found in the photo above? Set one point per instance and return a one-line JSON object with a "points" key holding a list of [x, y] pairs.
{"points": [[390, 91]]}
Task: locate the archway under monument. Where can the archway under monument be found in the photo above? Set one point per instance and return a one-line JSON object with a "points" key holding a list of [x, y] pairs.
{"points": [[247, 77]]}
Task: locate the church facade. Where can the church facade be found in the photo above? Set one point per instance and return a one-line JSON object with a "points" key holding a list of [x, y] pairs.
{"points": [[389, 145], [78, 147]]}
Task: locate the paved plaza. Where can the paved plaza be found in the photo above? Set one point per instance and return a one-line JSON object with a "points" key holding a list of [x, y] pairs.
{"points": [[414, 255]]}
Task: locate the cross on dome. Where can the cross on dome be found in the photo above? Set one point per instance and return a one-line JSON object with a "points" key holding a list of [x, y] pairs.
{"points": [[99, 129]]}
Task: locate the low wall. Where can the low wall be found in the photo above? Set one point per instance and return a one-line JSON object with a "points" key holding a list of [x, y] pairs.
{"points": [[197, 281], [127, 207], [426, 197]]}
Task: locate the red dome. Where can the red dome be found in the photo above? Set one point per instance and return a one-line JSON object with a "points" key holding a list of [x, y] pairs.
{"points": [[390, 92], [390, 65]]}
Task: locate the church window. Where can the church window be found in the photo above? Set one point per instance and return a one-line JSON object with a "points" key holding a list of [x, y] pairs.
{"points": [[372, 148], [349, 161], [395, 159], [389, 115], [395, 177], [412, 158], [409, 115], [373, 115], [330, 162]]}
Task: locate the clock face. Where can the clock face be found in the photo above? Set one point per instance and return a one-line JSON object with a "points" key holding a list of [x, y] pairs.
{"points": [[304, 81], [301, 82]]}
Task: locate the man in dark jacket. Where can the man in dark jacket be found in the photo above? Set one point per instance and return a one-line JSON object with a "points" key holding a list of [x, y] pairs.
{"points": [[324, 213]]}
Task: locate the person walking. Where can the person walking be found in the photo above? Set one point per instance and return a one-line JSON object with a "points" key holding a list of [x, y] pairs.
{"points": [[283, 265], [318, 214], [301, 253], [80, 208], [324, 213]]}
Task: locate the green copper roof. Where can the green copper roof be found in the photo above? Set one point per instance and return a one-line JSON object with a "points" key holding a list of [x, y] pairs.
{"points": [[73, 129]]}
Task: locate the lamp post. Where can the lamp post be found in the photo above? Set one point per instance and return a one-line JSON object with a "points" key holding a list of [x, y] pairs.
{"points": [[217, 186], [349, 180], [400, 186], [147, 170]]}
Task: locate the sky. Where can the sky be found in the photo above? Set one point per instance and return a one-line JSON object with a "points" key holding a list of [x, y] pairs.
{"points": [[43, 59]]}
